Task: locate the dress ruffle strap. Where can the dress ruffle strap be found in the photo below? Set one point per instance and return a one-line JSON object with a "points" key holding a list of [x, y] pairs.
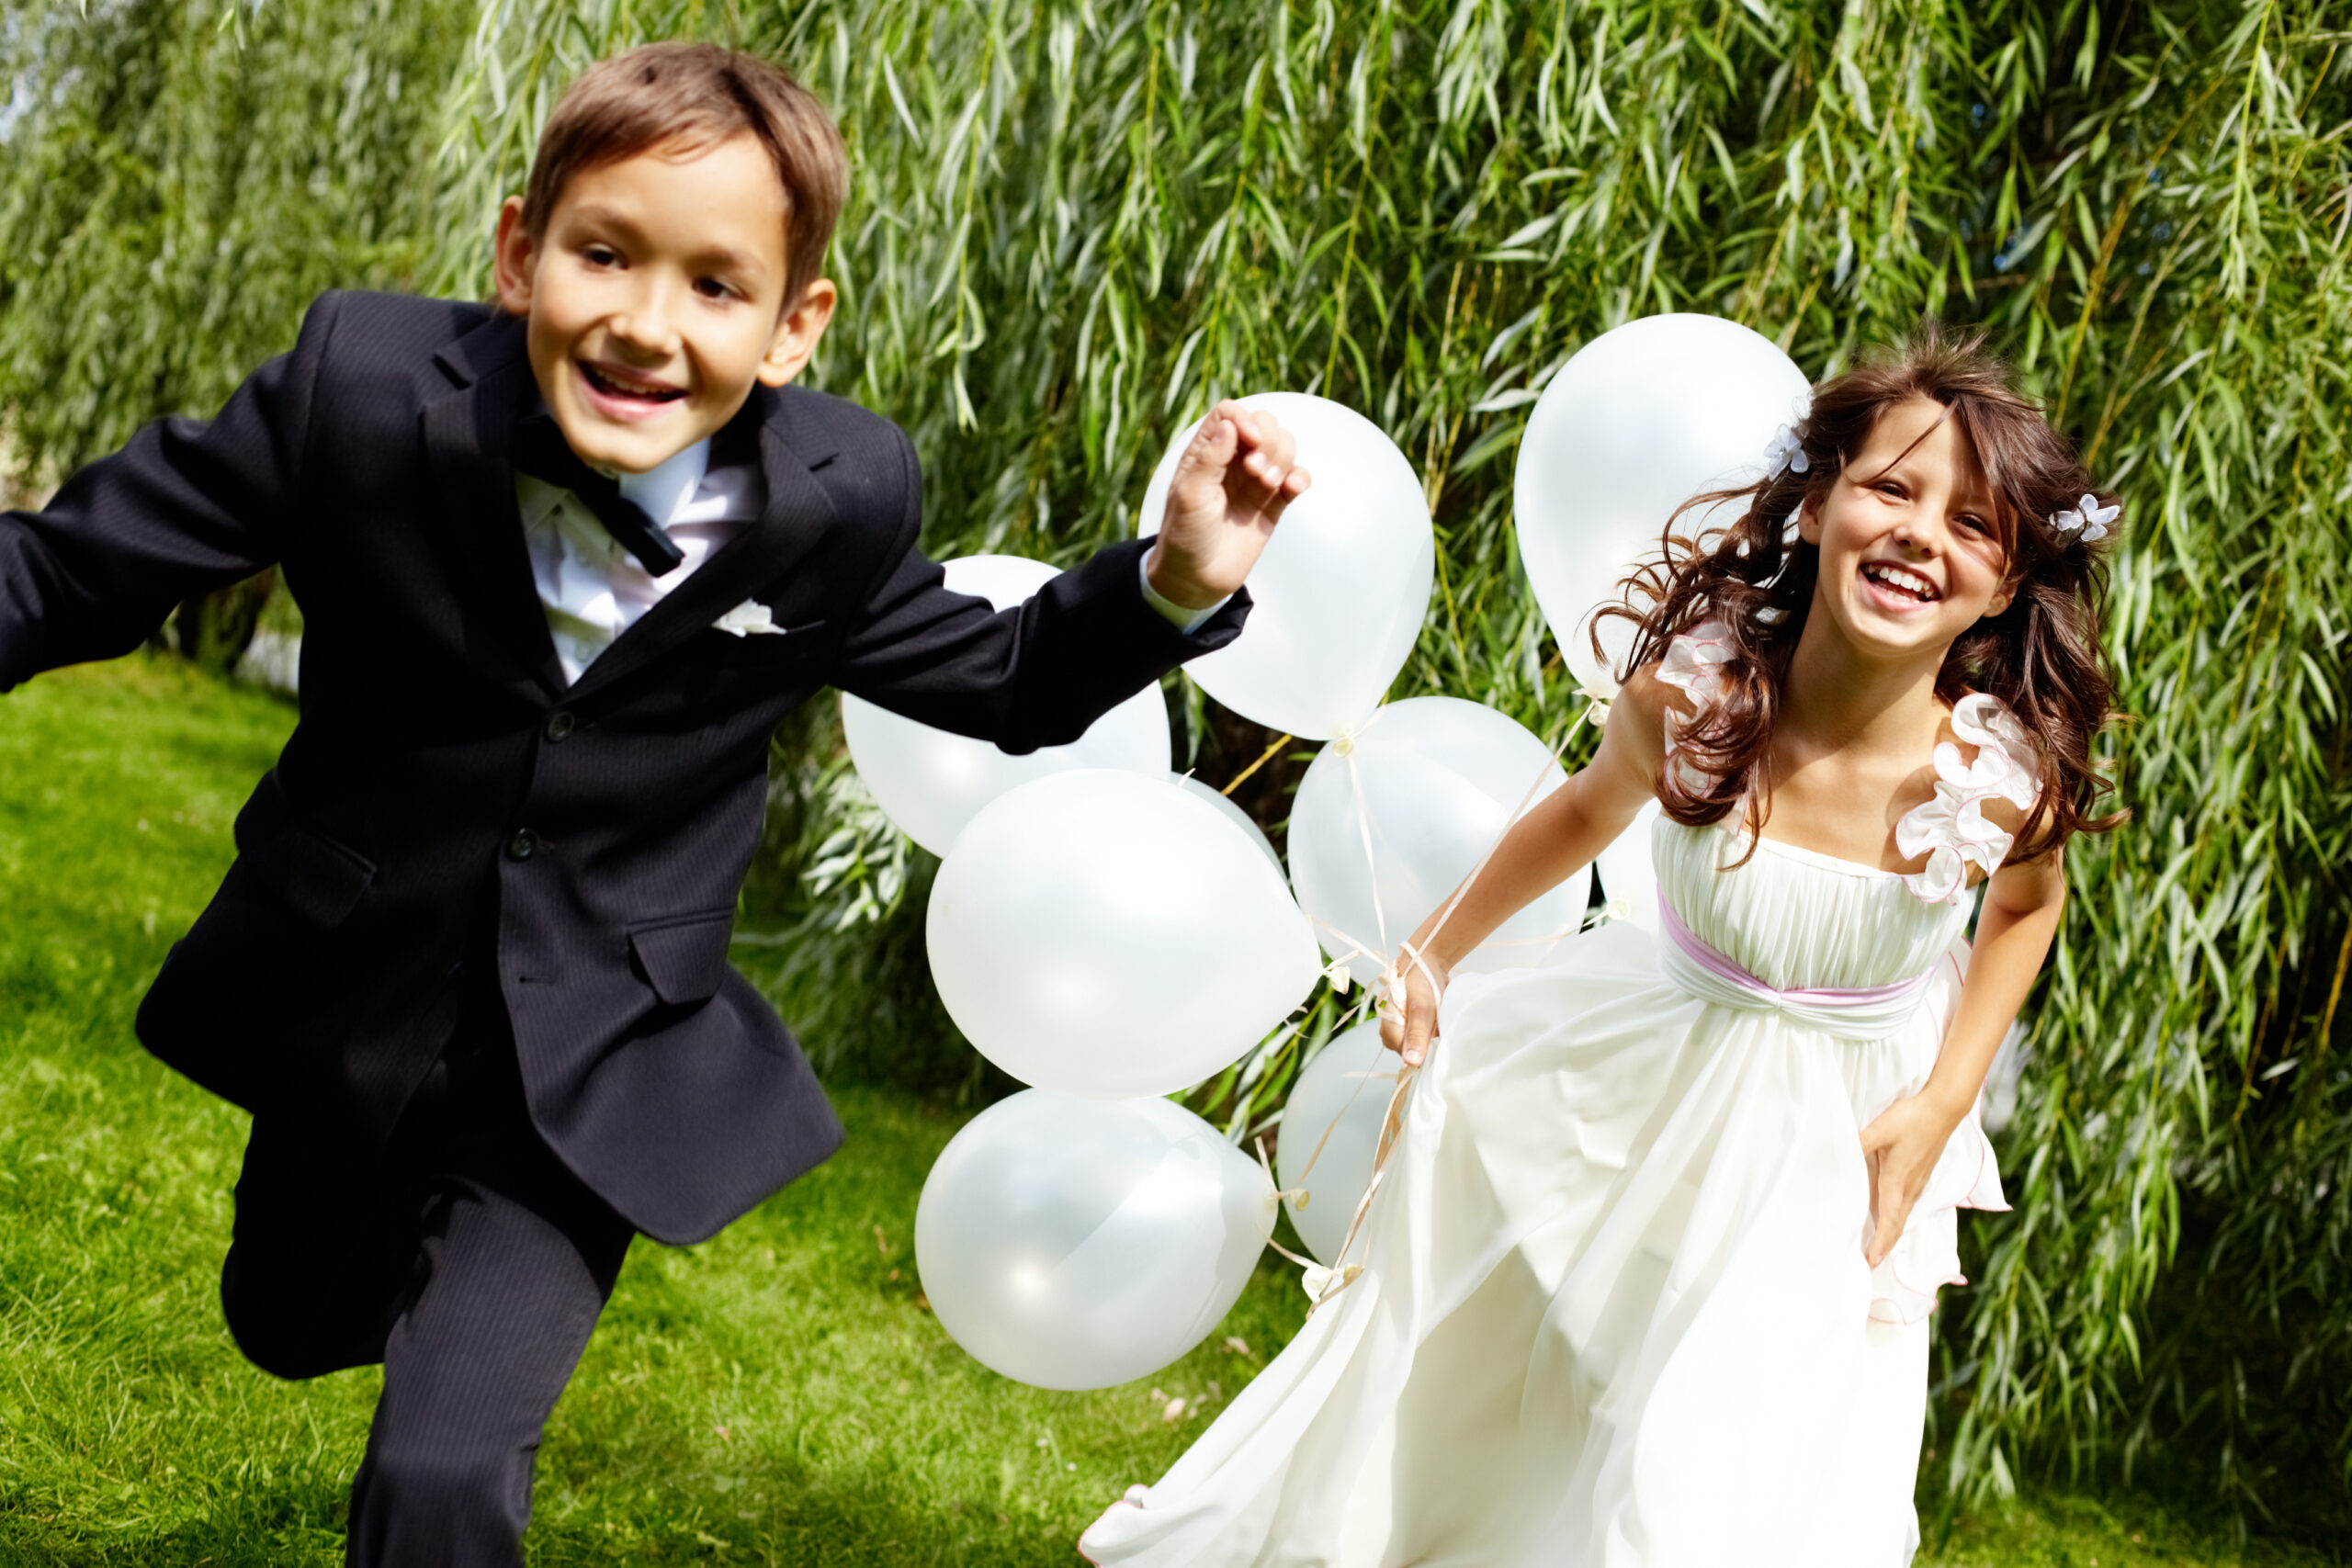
{"points": [[1694, 665], [1949, 828]]}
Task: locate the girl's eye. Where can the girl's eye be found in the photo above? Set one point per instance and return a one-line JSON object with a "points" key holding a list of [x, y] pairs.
{"points": [[1974, 523], [1889, 489]]}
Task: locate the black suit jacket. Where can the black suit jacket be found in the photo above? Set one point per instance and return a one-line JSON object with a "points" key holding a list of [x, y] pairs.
{"points": [[443, 777]]}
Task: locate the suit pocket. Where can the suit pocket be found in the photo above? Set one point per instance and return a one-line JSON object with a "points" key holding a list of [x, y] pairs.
{"points": [[320, 878], [784, 647], [684, 960]]}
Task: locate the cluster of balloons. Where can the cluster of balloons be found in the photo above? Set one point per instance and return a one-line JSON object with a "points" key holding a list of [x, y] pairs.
{"points": [[1109, 933]]}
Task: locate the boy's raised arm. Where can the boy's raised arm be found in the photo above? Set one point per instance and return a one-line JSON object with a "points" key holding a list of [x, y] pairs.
{"points": [[1038, 674], [1034, 675], [186, 507]]}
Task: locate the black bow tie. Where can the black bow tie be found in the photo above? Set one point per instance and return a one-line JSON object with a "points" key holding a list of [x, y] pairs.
{"points": [[542, 452]]}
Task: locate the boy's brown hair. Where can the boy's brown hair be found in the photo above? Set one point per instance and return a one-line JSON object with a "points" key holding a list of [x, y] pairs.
{"points": [[694, 95]]}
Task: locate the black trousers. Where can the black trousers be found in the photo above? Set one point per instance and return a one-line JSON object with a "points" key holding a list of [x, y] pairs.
{"points": [[466, 1258]]}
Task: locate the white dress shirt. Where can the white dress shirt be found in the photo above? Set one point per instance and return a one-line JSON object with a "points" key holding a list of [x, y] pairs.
{"points": [[592, 588]]}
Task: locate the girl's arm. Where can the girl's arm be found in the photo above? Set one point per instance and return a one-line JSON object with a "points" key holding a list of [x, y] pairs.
{"points": [[1563, 832], [2014, 931]]}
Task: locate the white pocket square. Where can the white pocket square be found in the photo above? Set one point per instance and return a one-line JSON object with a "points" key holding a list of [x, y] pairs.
{"points": [[746, 619]]}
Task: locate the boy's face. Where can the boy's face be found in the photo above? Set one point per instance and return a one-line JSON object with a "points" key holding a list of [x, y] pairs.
{"points": [[656, 297]]}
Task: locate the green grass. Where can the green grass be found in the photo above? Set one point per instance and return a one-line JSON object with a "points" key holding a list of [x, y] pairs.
{"points": [[777, 1395]]}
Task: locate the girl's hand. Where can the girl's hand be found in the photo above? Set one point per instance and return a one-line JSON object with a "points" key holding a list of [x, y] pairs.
{"points": [[1900, 1148], [1231, 485], [1409, 1033]]}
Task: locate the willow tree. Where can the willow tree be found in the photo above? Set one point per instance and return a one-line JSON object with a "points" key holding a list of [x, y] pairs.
{"points": [[1076, 223], [177, 179]]}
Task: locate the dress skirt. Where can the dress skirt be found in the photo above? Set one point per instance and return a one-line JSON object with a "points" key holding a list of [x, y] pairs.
{"points": [[1614, 1311]]}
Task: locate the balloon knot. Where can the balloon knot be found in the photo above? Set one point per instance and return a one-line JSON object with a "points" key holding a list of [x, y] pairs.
{"points": [[1323, 1283]]}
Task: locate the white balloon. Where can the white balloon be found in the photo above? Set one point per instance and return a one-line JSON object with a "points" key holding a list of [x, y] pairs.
{"points": [[1628, 878], [1234, 815], [1439, 778], [1642, 419], [1339, 597], [929, 782], [1103, 934], [1330, 1132], [1081, 1243]]}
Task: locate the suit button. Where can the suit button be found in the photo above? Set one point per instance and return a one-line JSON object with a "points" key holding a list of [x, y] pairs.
{"points": [[523, 845], [561, 724]]}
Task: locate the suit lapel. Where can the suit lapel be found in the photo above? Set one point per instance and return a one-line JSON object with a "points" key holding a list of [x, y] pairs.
{"points": [[793, 518], [466, 432]]}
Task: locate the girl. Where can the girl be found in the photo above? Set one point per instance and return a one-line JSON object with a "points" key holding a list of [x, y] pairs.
{"points": [[1647, 1273]]}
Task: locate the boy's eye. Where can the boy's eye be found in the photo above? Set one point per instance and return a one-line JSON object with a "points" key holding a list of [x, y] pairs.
{"points": [[600, 256], [713, 289]]}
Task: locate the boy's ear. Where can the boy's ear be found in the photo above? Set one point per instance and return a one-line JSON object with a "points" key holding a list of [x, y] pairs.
{"points": [[796, 332], [514, 264]]}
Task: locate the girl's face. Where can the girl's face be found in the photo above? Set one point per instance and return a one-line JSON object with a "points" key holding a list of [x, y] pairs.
{"points": [[1909, 557]]}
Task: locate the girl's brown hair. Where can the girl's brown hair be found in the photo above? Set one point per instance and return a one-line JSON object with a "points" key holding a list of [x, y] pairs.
{"points": [[2040, 656]]}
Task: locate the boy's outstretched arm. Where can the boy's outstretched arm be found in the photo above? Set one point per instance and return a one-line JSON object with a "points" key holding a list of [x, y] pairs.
{"points": [[1038, 674], [186, 507]]}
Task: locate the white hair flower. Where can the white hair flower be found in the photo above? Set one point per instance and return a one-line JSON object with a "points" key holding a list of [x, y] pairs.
{"points": [[1786, 452], [2088, 518]]}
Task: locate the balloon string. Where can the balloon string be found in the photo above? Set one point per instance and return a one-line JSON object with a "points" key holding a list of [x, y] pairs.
{"points": [[1363, 827], [1461, 892], [1393, 1124], [1266, 1165], [1339, 978], [1343, 1273], [1341, 1115]]}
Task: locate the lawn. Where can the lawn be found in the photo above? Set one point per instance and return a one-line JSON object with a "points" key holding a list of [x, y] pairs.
{"points": [[778, 1395]]}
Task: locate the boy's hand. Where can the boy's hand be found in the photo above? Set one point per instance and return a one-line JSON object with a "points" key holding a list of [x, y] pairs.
{"points": [[1230, 488]]}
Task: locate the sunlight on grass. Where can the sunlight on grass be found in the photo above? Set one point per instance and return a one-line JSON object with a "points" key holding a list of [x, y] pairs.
{"points": [[779, 1395]]}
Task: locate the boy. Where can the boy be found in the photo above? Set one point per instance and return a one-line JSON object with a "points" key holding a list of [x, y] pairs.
{"points": [[564, 565]]}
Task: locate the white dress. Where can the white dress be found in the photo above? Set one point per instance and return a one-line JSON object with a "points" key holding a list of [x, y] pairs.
{"points": [[1614, 1309]]}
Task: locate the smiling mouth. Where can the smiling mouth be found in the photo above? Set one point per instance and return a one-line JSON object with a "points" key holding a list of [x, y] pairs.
{"points": [[1903, 583], [649, 392]]}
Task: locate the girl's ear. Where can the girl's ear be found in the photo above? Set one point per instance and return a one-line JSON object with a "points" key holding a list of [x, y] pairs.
{"points": [[2003, 597], [1809, 521]]}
